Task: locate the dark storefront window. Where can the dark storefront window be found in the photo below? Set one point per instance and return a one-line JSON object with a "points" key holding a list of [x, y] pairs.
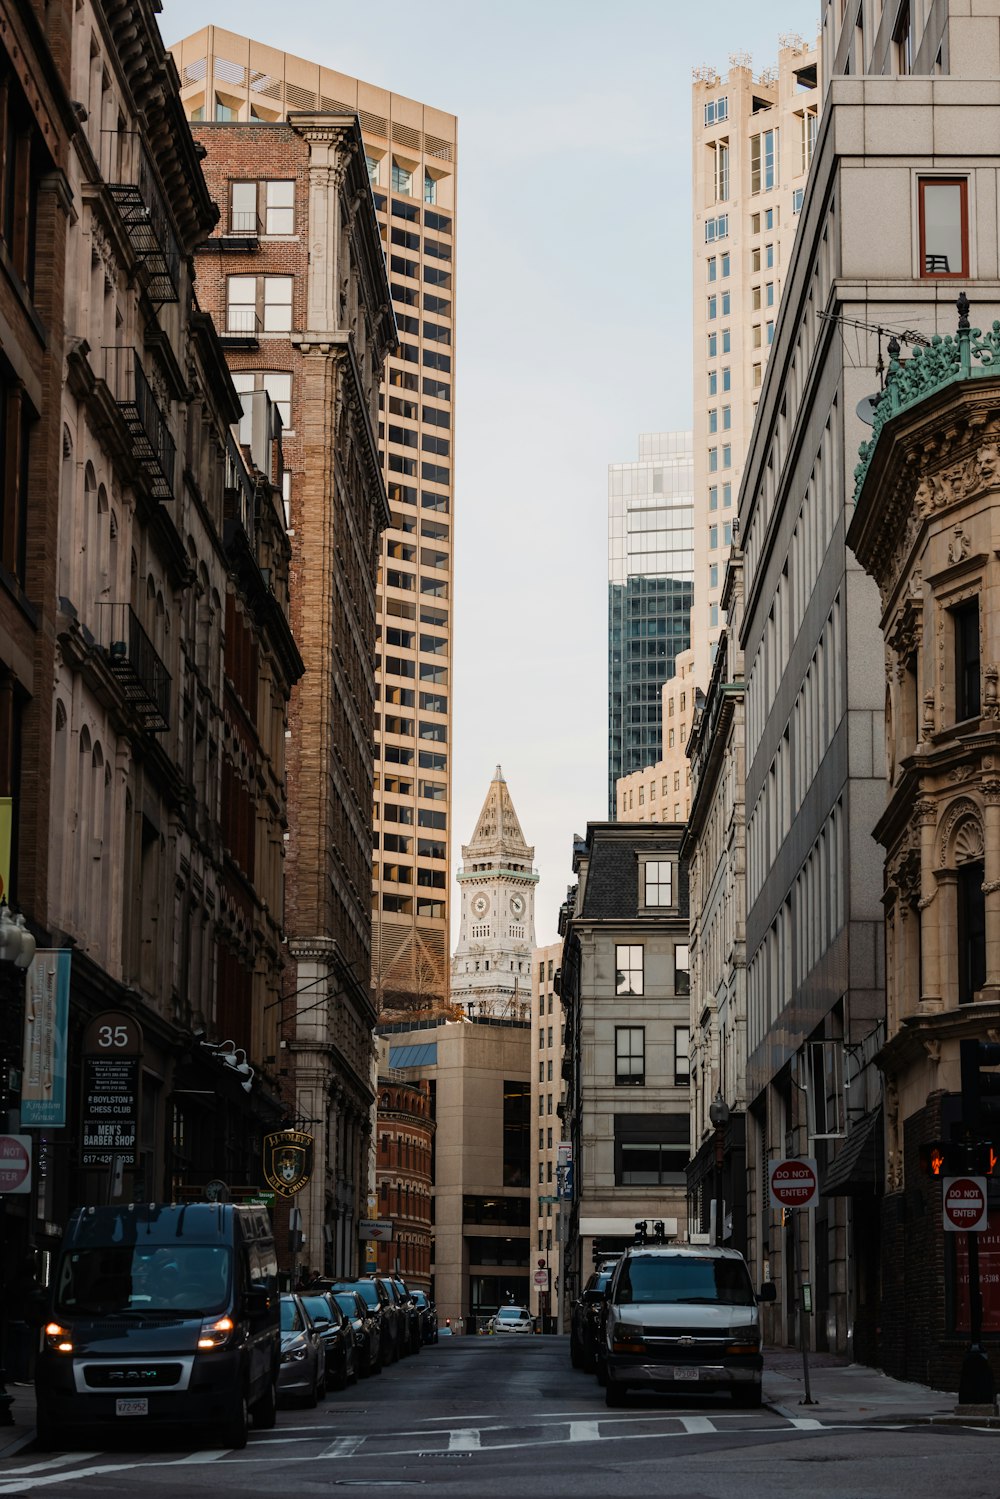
{"points": [[971, 932], [507, 1212]]}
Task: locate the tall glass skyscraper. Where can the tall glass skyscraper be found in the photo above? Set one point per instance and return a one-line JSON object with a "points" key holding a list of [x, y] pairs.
{"points": [[650, 593]]}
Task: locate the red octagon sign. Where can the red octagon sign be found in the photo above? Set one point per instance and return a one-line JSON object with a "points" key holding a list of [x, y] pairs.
{"points": [[964, 1203], [15, 1164], [794, 1183]]}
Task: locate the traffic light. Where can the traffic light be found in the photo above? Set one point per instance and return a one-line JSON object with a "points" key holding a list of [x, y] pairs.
{"points": [[933, 1158], [986, 1158], [980, 1086]]}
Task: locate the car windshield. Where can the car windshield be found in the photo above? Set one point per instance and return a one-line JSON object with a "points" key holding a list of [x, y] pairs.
{"points": [[347, 1302], [318, 1308], [680, 1278], [291, 1316], [191, 1278], [367, 1290], [419, 1298], [512, 1314]]}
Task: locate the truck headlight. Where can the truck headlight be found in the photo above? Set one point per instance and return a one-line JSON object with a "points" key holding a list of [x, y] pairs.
{"points": [[216, 1332], [58, 1338], [627, 1339]]}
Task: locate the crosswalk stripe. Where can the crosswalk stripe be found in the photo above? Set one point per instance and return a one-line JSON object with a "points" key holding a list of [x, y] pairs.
{"points": [[584, 1431], [343, 1447], [465, 1439], [697, 1425]]}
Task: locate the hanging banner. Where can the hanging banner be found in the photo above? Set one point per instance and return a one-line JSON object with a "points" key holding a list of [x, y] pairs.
{"points": [[46, 1040], [6, 823], [112, 1056]]}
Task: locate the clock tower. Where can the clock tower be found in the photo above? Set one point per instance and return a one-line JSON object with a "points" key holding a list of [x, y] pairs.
{"points": [[491, 968]]}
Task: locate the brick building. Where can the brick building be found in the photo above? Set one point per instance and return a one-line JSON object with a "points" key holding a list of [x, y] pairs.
{"points": [[36, 123], [296, 281], [238, 91], [403, 1173]]}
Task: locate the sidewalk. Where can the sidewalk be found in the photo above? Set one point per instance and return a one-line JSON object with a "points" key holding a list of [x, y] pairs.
{"points": [[13, 1438], [847, 1392]]}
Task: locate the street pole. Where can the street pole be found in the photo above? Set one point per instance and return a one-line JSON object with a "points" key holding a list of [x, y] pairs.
{"points": [[800, 1278]]}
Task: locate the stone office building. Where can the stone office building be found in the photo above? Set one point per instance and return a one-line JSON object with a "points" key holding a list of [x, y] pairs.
{"points": [[624, 988]]}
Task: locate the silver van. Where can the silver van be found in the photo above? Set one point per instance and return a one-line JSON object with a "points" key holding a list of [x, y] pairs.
{"points": [[680, 1316]]}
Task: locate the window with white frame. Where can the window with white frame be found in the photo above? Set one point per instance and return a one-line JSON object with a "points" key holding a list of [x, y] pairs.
{"points": [[682, 1050], [628, 968], [658, 882], [402, 179], [630, 1055], [682, 955], [279, 207], [764, 163]]}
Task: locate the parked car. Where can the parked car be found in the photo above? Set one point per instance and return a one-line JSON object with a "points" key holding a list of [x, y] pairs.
{"points": [[338, 1337], [411, 1315], [428, 1316], [381, 1306], [681, 1315], [512, 1319], [366, 1327], [395, 1312], [587, 1322], [303, 1356]]}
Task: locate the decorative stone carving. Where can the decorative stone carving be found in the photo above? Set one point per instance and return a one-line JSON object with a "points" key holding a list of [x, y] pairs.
{"points": [[927, 724], [962, 811], [991, 704], [958, 547], [990, 791]]}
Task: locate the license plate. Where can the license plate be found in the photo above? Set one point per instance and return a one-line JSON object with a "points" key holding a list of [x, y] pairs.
{"points": [[138, 1405], [686, 1374]]}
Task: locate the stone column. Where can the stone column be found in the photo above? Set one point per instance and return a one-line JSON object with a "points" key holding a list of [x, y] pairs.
{"points": [[991, 881], [925, 816]]}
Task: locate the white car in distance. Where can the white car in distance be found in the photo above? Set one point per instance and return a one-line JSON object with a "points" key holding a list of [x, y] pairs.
{"points": [[512, 1319]]}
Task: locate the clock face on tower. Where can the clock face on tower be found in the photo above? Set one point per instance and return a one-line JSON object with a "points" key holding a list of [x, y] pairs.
{"points": [[517, 906], [480, 903]]}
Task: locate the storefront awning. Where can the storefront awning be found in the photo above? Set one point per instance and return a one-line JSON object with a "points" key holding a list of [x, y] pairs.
{"points": [[858, 1169]]}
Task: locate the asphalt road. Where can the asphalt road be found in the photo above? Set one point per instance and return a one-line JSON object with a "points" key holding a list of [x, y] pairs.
{"points": [[509, 1417]]}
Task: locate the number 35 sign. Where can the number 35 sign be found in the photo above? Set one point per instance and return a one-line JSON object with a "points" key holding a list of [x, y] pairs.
{"points": [[112, 1050]]}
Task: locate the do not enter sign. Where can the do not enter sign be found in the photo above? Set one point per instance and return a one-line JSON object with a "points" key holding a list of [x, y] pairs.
{"points": [[794, 1184], [964, 1203]]}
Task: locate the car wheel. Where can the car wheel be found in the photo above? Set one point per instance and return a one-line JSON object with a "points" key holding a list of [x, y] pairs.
{"points": [[748, 1396], [615, 1395], [265, 1411], [236, 1430]]}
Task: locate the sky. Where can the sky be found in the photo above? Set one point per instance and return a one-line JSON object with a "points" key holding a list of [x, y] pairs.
{"points": [[573, 307]]}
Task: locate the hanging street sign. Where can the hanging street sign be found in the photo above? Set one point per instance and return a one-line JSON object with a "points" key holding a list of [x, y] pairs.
{"points": [[963, 1204], [46, 1040], [793, 1183], [112, 1055], [375, 1231], [288, 1161]]}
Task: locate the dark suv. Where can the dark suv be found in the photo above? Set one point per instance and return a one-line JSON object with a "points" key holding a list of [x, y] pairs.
{"points": [[587, 1325]]}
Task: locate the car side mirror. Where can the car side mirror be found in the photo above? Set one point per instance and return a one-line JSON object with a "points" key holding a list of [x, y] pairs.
{"points": [[768, 1291]]}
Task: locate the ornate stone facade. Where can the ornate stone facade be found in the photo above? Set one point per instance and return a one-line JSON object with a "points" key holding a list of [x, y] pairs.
{"points": [[928, 508]]}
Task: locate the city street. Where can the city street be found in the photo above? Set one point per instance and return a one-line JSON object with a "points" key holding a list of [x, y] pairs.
{"points": [[489, 1416]]}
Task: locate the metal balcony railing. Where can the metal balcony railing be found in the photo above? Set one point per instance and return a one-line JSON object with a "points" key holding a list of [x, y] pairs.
{"points": [[244, 223], [152, 445], [136, 665], [242, 327], [144, 215]]}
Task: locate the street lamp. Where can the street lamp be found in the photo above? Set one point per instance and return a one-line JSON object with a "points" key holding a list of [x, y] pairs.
{"points": [[718, 1112]]}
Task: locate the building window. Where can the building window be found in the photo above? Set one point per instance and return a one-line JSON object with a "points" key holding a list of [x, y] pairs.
{"points": [[16, 421], [713, 460], [651, 1149], [713, 420], [630, 1055], [798, 194], [372, 163], [713, 382], [764, 167], [628, 969], [682, 965], [717, 110], [726, 303], [725, 340], [769, 299], [430, 188], [713, 537], [255, 301], [756, 375], [770, 333], [713, 575], [713, 345], [243, 217], [944, 226], [720, 170], [402, 179], [726, 377], [727, 533], [807, 126], [658, 883], [727, 418], [712, 307], [279, 208], [971, 932], [713, 497], [277, 385], [727, 496], [770, 215], [516, 1133], [724, 264], [967, 692], [713, 616], [712, 268], [682, 1048]]}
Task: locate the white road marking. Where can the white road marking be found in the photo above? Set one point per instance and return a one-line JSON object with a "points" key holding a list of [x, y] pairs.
{"points": [[804, 1423], [343, 1447], [59, 1462], [584, 1431], [209, 1455], [697, 1425], [464, 1439]]}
